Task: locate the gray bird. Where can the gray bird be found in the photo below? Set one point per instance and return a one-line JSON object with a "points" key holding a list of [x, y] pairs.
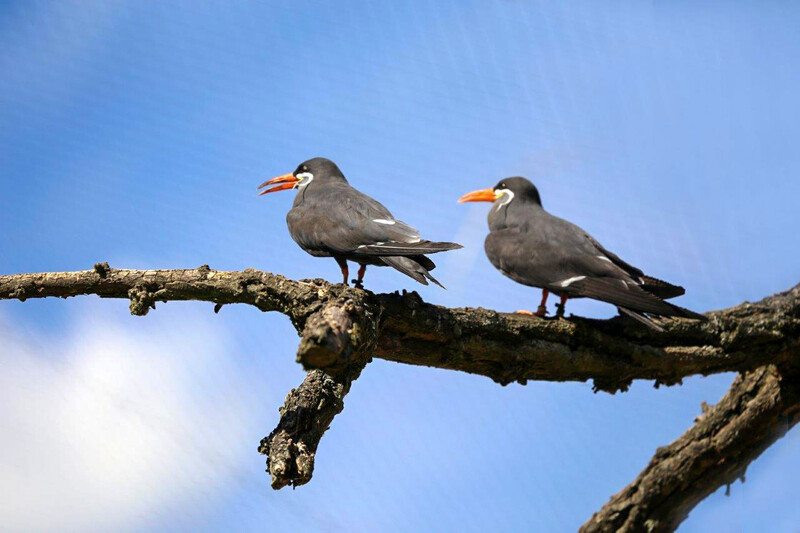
{"points": [[537, 249], [330, 218]]}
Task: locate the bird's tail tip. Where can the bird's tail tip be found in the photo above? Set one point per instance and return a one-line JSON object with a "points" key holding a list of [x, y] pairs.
{"points": [[642, 318], [445, 246], [662, 289], [688, 313], [647, 321], [434, 280], [412, 269]]}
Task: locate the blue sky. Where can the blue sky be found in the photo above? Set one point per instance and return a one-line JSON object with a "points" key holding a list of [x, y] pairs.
{"points": [[136, 133]]}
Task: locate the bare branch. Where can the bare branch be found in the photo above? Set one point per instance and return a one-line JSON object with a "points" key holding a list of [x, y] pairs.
{"points": [[614, 352], [339, 338], [305, 416], [337, 331], [504, 347], [342, 328], [760, 407], [144, 288]]}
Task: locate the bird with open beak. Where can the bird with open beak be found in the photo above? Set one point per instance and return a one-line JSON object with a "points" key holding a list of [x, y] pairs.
{"points": [[330, 218], [535, 248]]}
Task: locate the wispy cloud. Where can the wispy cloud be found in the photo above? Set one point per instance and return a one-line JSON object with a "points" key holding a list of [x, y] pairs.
{"points": [[108, 428]]}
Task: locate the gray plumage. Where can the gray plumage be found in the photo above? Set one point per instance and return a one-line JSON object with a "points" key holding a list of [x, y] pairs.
{"points": [[535, 248], [330, 218]]}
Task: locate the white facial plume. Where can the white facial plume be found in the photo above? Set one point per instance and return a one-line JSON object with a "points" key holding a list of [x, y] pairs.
{"points": [[305, 178], [509, 195]]}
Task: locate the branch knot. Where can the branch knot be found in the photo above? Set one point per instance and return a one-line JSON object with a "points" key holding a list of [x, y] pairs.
{"points": [[102, 269], [142, 300]]}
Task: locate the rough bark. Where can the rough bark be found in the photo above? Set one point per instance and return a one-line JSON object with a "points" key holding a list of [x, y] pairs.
{"points": [[336, 327], [760, 407], [340, 338], [342, 328], [305, 416], [504, 347], [509, 347]]}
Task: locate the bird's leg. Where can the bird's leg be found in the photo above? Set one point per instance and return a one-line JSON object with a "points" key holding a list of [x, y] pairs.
{"points": [[542, 310], [560, 307], [345, 271], [360, 281]]}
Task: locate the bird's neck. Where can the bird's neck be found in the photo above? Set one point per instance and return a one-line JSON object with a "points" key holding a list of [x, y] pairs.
{"points": [[319, 191], [514, 214]]}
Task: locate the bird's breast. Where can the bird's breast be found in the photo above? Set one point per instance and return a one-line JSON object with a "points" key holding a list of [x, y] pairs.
{"points": [[305, 228]]}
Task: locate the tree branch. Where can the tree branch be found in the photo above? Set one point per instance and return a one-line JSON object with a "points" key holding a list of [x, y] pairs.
{"points": [[337, 331], [760, 407], [504, 347], [341, 329], [305, 416], [508, 347], [340, 338]]}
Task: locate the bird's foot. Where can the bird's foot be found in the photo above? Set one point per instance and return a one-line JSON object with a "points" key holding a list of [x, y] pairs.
{"points": [[541, 311], [358, 283], [560, 310], [523, 312]]}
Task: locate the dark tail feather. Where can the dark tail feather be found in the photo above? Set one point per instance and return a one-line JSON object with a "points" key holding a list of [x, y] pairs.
{"points": [[632, 297], [688, 313], [661, 288], [407, 248], [436, 281], [641, 318], [426, 263], [411, 268]]}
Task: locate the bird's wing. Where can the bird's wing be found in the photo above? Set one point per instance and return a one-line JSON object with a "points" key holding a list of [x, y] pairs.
{"points": [[614, 258], [559, 256], [660, 288], [344, 219], [371, 222], [630, 296], [548, 253], [588, 257]]}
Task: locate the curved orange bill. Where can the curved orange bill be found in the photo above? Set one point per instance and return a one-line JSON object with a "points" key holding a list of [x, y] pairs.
{"points": [[484, 195], [286, 181]]}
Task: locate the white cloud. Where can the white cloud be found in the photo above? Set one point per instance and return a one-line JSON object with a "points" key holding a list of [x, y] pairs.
{"points": [[121, 420]]}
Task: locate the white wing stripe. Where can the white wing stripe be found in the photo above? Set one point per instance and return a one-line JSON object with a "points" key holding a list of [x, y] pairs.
{"points": [[570, 281]]}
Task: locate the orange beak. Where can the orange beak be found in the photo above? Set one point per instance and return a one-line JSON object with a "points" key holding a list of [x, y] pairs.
{"points": [[484, 195], [286, 181]]}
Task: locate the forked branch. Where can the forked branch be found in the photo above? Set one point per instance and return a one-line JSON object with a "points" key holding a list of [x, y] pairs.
{"points": [[760, 407], [342, 328]]}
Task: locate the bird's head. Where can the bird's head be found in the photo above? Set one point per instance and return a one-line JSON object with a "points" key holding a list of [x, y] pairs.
{"points": [[318, 170], [516, 189]]}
